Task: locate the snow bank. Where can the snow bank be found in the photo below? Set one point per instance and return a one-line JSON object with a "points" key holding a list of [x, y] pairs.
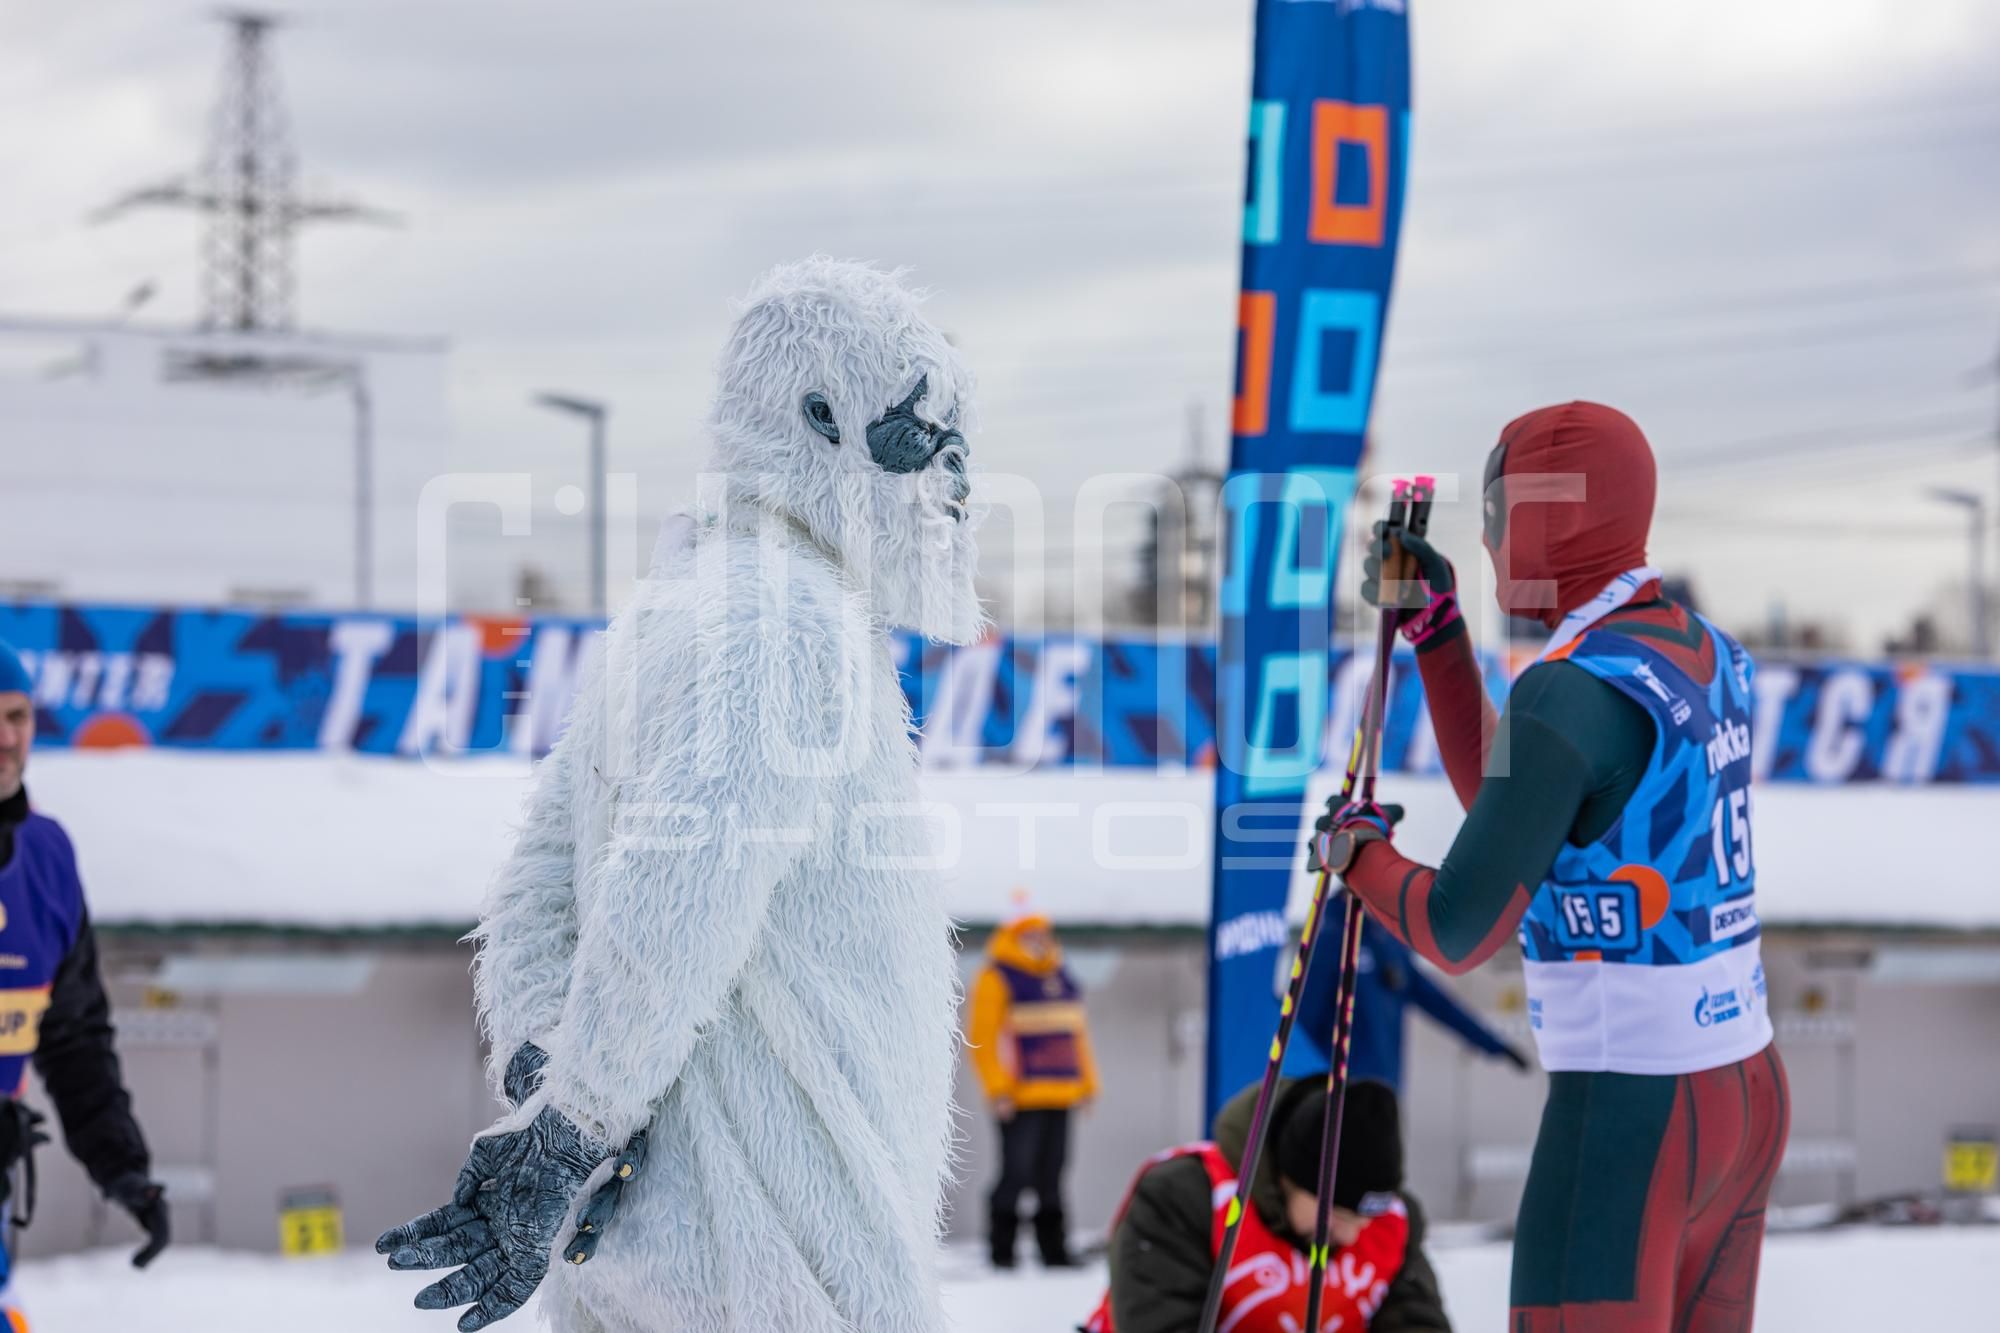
{"points": [[344, 842], [1857, 1281]]}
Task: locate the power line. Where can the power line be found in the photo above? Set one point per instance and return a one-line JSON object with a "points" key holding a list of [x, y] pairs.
{"points": [[1957, 280], [1847, 470], [1612, 165], [1697, 345], [1750, 526], [1878, 434], [1069, 204], [1434, 355]]}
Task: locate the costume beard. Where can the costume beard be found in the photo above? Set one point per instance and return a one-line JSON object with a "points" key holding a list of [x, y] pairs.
{"points": [[913, 544], [904, 540]]}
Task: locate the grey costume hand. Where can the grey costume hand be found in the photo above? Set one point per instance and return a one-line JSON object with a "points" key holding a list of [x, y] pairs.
{"points": [[511, 1199], [523, 1076], [603, 1205]]}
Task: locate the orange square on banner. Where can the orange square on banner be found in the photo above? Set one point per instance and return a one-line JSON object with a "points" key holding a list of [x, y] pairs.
{"points": [[1257, 322], [1330, 223]]}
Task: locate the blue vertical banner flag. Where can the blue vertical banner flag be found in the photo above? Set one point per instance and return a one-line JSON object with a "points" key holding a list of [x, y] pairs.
{"points": [[1329, 139]]}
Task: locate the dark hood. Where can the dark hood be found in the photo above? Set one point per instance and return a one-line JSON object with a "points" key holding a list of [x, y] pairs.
{"points": [[1572, 509]]}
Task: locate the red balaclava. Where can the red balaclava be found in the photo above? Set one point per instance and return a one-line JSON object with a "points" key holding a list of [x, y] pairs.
{"points": [[1572, 507]]}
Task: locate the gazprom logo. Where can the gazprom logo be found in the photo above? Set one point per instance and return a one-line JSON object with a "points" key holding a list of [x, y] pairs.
{"points": [[1253, 932], [1720, 1007]]}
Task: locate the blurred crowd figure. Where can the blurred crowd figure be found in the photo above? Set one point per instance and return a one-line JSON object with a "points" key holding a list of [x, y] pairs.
{"points": [[1387, 983], [54, 1013], [1030, 1046]]}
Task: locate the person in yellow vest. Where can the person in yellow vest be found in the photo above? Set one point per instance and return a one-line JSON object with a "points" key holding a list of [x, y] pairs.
{"points": [[1030, 1047]]}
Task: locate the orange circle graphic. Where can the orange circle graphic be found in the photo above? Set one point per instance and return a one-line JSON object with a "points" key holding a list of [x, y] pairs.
{"points": [[1654, 896], [110, 731]]}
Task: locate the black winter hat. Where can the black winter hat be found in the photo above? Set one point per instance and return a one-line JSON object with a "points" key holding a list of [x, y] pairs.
{"points": [[1371, 1142]]}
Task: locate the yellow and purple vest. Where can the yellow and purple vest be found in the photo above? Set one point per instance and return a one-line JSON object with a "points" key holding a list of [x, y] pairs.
{"points": [[1045, 1014]]}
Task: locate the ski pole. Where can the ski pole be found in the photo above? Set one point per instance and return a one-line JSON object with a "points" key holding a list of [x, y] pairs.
{"points": [[1420, 493], [1287, 1013]]}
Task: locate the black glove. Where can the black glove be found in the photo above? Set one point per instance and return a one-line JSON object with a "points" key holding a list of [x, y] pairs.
{"points": [[1431, 567], [146, 1200], [1384, 818], [20, 1132], [1392, 814], [1427, 606], [512, 1197]]}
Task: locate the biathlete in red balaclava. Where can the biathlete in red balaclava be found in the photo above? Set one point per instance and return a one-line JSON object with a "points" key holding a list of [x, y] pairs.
{"points": [[1607, 823]]}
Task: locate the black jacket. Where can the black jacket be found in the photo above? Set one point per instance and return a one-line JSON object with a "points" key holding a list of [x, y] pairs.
{"points": [[1162, 1249], [75, 1057]]}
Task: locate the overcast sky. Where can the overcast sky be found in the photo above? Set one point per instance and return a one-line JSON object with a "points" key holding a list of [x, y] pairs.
{"points": [[1768, 221]]}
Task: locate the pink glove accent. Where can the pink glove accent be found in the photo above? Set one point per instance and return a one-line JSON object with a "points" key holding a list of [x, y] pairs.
{"points": [[1424, 625]]}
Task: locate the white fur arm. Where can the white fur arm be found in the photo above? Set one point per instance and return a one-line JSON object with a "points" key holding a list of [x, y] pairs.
{"points": [[527, 928], [697, 845]]}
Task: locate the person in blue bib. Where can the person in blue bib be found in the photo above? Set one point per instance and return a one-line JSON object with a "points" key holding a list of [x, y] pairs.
{"points": [[1608, 829], [53, 1009], [1387, 984]]}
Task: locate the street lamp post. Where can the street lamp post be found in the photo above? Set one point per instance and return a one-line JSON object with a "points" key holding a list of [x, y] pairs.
{"points": [[594, 412], [364, 487], [1975, 507]]}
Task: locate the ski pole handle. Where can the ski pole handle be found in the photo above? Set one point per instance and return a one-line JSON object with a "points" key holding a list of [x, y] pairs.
{"points": [[1399, 568], [1423, 490]]}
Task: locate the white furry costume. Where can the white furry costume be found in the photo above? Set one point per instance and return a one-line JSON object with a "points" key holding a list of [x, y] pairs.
{"points": [[720, 918]]}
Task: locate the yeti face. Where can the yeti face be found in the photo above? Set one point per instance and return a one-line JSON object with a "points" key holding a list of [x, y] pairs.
{"points": [[901, 441], [842, 408]]}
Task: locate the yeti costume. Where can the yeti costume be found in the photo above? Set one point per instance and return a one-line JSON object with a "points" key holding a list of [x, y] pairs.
{"points": [[721, 920]]}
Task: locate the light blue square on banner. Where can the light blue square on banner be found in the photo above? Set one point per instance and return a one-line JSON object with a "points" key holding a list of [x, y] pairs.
{"points": [[1344, 407], [1302, 570], [1263, 210], [1270, 770]]}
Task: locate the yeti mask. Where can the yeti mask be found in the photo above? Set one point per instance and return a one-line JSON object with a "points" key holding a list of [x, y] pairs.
{"points": [[901, 441], [841, 408]]}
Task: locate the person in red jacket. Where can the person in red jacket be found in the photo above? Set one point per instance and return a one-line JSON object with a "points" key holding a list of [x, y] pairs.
{"points": [[1169, 1230], [1608, 828]]}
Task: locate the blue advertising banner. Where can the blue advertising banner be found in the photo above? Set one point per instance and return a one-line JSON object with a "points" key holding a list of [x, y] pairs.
{"points": [[238, 681], [1328, 153]]}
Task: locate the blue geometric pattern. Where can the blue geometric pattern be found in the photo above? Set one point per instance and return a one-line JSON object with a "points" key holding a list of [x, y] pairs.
{"points": [[1680, 858], [247, 680]]}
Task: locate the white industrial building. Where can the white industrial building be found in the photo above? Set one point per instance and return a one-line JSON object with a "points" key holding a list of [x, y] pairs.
{"points": [[205, 468]]}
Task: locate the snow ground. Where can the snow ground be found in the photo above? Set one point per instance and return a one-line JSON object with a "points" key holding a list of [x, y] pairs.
{"points": [[1825, 1282]]}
